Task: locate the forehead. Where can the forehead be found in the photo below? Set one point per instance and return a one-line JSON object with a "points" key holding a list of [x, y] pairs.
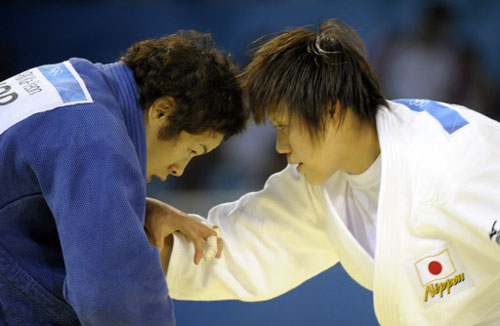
{"points": [[207, 137], [277, 112]]}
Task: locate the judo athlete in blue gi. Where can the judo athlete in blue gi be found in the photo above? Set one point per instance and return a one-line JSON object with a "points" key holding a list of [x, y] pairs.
{"points": [[78, 141]]}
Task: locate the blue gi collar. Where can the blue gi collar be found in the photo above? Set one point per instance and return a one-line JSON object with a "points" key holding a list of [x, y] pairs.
{"points": [[125, 90]]}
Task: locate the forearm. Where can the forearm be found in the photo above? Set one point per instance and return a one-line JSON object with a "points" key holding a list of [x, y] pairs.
{"points": [[270, 247]]}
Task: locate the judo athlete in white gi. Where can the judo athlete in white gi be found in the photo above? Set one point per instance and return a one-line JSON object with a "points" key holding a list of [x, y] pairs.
{"points": [[78, 141], [404, 194]]}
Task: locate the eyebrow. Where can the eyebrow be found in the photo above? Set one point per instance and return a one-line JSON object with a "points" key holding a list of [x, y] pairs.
{"points": [[204, 148], [273, 121]]}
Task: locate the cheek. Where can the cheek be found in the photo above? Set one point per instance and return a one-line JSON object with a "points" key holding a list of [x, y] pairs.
{"points": [[170, 158], [166, 155], [298, 145], [156, 161], [321, 162]]}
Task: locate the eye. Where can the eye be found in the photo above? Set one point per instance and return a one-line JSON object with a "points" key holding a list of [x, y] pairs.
{"points": [[192, 152], [280, 126]]}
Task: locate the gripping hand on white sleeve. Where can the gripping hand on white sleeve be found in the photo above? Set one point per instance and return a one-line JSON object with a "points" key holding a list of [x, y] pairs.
{"points": [[162, 220], [211, 248]]}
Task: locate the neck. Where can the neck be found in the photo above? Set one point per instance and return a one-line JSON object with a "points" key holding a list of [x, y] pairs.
{"points": [[365, 146]]}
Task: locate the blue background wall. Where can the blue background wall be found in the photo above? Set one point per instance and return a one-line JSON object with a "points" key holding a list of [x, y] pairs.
{"points": [[37, 32], [43, 31]]}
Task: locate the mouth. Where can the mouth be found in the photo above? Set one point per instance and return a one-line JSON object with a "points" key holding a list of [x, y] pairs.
{"points": [[162, 178]]}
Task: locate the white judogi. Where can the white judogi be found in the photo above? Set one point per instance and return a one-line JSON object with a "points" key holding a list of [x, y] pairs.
{"points": [[437, 255]]}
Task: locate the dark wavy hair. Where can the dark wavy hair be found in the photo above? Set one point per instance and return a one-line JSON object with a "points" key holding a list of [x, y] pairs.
{"points": [[202, 81], [310, 72]]}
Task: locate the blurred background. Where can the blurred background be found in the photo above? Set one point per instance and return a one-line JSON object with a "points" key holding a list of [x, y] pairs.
{"points": [[446, 50]]}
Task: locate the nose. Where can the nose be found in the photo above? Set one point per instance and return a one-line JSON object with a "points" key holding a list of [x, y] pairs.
{"points": [[282, 144], [177, 169]]}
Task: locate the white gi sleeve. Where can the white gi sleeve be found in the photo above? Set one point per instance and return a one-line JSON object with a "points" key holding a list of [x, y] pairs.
{"points": [[274, 240]]}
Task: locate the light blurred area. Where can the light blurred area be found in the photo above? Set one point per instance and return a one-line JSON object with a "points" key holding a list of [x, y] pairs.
{"points": [[446, 50]]}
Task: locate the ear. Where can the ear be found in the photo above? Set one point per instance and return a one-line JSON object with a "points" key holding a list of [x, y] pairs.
{"points": [[161, 109]]}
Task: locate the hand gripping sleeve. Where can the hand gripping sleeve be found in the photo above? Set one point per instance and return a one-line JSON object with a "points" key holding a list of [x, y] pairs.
{"points": [[274, 240]]}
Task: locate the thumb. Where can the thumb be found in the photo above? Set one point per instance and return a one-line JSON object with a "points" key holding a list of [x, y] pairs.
{"points": [[159, 235]]}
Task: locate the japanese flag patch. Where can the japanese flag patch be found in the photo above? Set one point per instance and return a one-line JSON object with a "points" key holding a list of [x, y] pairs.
{"points": [[439, 274]]}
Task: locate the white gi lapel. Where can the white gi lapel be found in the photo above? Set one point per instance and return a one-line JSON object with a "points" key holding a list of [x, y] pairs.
{"points": [[394, 206], [354, 259]]}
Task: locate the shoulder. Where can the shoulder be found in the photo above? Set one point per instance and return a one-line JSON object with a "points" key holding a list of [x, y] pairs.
{"points": [[76, 130], [431, 127], [85, 67], [440, 143], [94, 77]]}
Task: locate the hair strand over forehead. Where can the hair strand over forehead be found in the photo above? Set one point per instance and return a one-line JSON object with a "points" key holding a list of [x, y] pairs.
{"points": [[308, 72]]}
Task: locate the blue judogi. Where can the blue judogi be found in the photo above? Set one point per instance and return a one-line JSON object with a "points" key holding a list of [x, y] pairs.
{"points": [[72, 201]]}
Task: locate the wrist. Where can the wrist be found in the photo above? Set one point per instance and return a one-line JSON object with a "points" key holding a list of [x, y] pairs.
{"points": [[151, 205]]}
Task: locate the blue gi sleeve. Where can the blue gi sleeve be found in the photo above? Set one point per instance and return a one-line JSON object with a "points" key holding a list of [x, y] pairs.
{"points": [[90, 175]]}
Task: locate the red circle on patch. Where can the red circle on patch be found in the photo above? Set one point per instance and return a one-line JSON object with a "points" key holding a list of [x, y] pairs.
{"points": [[435, 267]]}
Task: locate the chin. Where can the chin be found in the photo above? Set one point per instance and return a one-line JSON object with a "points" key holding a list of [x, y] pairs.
{"points": [[314, 181]]}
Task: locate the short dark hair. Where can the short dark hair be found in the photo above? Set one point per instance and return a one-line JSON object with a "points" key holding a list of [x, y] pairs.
{"points": [[309, 72], [202, 81]]}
